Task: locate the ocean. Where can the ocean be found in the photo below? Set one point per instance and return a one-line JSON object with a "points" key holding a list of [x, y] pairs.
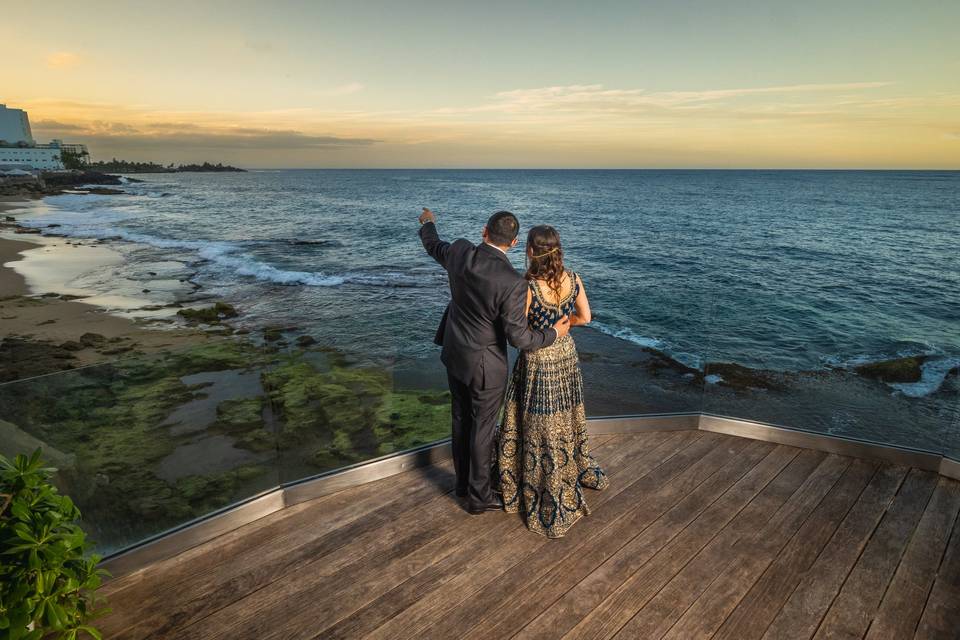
{"points": [[782, 270]]}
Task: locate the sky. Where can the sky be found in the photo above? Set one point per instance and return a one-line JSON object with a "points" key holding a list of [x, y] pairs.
{"points": [[771, 84]]}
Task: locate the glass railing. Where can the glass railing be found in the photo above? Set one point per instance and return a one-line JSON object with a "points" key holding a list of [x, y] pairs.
{"points": [[147, 444], [729, 327]]}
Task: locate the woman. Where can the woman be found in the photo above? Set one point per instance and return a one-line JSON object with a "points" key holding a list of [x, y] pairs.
{"points": [[542, 449]]}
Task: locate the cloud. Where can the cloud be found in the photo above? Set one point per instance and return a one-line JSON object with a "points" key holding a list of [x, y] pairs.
{"points": [[345, 89], [62, 60], [49, 126], [174, 135], [596, 97], [259, 45]]}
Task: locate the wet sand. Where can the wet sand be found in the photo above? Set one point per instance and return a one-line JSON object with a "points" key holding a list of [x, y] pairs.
{"points": [[60, 315]]}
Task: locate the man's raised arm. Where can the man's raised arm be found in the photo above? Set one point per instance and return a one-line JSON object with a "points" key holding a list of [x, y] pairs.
{"points": [[437, 248]]}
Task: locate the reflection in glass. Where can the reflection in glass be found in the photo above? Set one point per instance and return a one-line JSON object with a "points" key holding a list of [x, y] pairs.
{"points": [[334, 410], [145, 444], [833, 314]]}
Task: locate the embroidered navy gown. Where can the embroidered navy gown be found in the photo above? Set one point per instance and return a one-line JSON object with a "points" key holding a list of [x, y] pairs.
{"points": [[543, 455]]}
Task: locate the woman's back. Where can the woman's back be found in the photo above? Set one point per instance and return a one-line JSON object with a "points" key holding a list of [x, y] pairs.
{"points": [[547, 304]]}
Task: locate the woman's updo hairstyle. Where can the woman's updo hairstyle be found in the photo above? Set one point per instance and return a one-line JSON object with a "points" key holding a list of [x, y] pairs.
{"points": [[545, 257]]}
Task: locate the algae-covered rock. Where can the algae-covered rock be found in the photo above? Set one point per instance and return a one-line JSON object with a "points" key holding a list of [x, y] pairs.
{"points": [[409, 419], [741, 377], [343, 413], [209, 315], [899, 370]]}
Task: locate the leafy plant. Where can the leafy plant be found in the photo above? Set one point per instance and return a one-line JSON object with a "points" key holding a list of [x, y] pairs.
{"points": [[47, 580]]}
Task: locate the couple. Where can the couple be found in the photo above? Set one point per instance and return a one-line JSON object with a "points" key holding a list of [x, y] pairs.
{"points": [[543, 461]]}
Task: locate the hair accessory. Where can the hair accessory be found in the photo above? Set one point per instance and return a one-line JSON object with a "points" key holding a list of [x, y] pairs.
{"points": [[544, 255]]}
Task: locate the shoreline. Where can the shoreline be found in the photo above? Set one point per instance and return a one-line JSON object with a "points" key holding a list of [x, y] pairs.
{"points": [[663, 383], [47, 331], [209, 419]]}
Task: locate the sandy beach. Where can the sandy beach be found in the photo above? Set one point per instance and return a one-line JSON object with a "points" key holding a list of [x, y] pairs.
{"points": [[54, 329]]}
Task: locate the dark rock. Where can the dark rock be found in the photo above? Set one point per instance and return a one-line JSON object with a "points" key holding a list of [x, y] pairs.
{"points": [[741, 377], [72, 345], [103, 191], [26, 230], [209, 315], [22, 358], [898, 370], [51, 321], [52, 226], [306, 341], [92, 340], [9, 218], [272, 335], [145, 290]]}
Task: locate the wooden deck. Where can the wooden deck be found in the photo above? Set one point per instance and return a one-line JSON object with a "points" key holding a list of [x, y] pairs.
{"points": [[700, 535]]}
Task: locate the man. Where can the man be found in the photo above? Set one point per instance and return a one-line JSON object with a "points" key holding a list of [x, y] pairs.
{"points": [[487, 309]]}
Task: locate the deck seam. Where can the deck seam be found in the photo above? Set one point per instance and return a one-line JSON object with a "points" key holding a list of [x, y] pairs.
{"points": [[933, 583], [641, 531], [780, 548], [840, 521], [853, 565], [697, 552], [903, 552], [613, 522]]}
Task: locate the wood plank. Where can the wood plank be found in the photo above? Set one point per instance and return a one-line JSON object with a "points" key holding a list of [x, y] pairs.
{"points": [[941, 617], [510, 588], [671, 600], [753, 554], [903, 603], [442, 586], [178, 602], [558, 569], [641, 545], [617, 609], [801, 614], [292, 606], [458, 574], [853, 608], [760, 605], [342, 507]]}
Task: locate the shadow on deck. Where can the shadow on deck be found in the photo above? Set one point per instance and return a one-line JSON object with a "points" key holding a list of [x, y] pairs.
{"points": [[699, 535]]}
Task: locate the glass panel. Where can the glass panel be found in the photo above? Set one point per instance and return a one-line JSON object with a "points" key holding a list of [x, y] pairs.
{"points": [[839, 312], [145, 444], [338, 406], [638, 249]]}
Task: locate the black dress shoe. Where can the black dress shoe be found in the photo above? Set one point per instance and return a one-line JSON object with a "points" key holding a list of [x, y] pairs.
{"points": [[477, 509]]}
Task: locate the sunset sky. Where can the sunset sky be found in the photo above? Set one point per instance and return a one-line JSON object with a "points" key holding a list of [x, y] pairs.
{"points": [[493, 84]]}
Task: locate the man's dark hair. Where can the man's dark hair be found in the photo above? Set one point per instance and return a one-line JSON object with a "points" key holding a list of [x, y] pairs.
{"points": [[502, 228]]}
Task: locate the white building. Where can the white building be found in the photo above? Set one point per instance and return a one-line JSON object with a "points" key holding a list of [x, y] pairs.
{"points": [[17, 146], [15, 127], [42, 157]]}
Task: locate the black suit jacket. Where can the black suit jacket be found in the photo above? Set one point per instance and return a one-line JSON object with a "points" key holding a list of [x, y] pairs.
{"points": [[486, 310]]}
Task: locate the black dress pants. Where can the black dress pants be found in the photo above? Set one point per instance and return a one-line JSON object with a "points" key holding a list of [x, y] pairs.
{"points": [[474, 413]]}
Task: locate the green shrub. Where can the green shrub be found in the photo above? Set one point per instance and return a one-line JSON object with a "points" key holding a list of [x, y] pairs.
{"points": [[47, 580]]}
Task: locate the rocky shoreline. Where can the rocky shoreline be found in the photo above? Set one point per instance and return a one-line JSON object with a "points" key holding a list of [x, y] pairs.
{"points": [[152, 426], [56, 183]]}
